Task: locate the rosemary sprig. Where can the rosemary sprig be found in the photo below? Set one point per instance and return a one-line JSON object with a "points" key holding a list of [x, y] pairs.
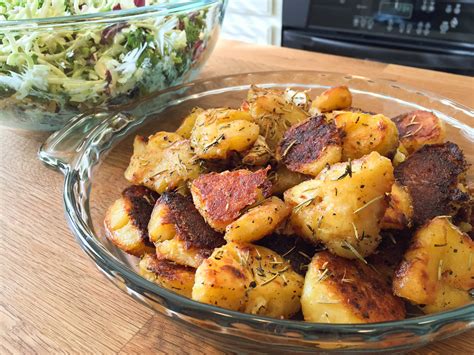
{"points": [[303, 204], [289, 251], [356, 233], [274, 276], [412, 133], [304, 254], [285, 152], [214, 142], [354, 251], [323, 276], [368, 203], [347, 172]]}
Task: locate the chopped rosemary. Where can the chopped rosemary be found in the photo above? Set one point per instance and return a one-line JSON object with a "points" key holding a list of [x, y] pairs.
{"points": [[354, 251], [413, 119], [158, 173], [214, 142], [304, 254], [356, 233], [303, 204], [368, 203], [279, 273], [285, 152], [412, 133], [323, 275], [347, 172], [289, 251], [320, 219], [219, 255], [390, 235]]}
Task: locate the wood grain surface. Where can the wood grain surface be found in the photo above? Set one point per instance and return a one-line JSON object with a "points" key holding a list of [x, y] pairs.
{"points": [[53, 299]]}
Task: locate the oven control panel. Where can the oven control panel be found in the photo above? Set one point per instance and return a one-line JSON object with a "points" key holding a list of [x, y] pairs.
{"points": [[450, 20]]}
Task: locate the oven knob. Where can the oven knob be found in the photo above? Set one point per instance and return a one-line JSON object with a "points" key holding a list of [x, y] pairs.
{"points": [[444, 27], [432, 7], [454, 22], [355, 21], [449, 8], [363, 22], [457, 9], [409, 28]]}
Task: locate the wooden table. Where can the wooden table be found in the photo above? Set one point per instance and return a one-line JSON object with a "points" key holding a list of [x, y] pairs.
{"points": [[52, 298]]}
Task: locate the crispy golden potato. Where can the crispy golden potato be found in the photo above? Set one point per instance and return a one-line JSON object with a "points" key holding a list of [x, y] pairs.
{"points": [[309, 146], [432, 177], [186, 127], [437, 271], [273, 112], [177, 278], [343, 206], [365, 133], [219, 132], [222, 197], [283, 179], [126, 220], [180, 232], [399, 214], [419, 128], [259, 154], [337, 290], [335, 98], [162, 162], [249, 278], [258, 222]]}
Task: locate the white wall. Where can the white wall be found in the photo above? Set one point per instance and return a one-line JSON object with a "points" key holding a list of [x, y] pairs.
{"points": [[253, 21]]}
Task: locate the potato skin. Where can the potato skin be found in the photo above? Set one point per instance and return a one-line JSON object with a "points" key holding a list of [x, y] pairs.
{"points": [[126, 220], [335, 98], [343, 210], [365, 133], [419, 128], [177, 278], [309, 146], [248, 278], [219, 132], [162, 162], [437, 270], [337, 290], [180, 232], [222, 197], [258, 221], [259, 154], [431, 176], [186, 127]]}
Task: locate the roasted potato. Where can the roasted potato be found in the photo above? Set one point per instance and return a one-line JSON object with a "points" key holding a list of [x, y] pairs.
{"points": [[222, 197], [180, 232], [365, 133], [437, 271], [177, 278], [337, 290], [432, 176], [273, 113], [257, 222], [343, 206], [249, 278], [419, 128], [126, 220], [309, 146], [162, 162], [186, 127], [399, 214], [260, 153], [219, 132], [282, 179], [335, 98]]}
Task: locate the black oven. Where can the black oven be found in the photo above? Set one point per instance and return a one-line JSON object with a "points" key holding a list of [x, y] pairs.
{"points": [[430, 34]]}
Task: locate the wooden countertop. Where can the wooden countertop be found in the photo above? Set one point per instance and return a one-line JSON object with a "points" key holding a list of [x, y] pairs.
{"points": [[52, 298]]}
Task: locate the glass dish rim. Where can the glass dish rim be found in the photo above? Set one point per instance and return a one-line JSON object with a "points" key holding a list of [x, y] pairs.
{"points": [[108, 16], [95, 249]]}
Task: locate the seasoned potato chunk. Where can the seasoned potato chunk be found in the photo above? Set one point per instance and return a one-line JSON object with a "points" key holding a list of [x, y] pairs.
{"points": [[419, 128], [177, 278], [365, 133], [273, 112], [399, 213], [222, 197], [337, 290], [343, 206], [162, 162], [437, 271], [258, 221], [335, 98], [249, 278], [309, 146], [179, 231], [186, 127], [259, 154], [432, 176], [218, 132], [283, 179], [126, 220]]}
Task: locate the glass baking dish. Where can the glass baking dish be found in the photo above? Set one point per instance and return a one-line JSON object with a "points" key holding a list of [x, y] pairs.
{"points": [[93, 150]]}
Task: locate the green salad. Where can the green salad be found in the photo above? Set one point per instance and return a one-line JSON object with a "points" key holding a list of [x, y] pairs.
{"points": [[65, 69]]}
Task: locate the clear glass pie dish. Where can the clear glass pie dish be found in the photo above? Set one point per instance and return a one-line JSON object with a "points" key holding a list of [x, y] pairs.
{"points": [[93, 150]]}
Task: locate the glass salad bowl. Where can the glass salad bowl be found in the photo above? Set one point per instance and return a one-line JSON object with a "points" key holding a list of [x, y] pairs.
{"points": [[73, 59], [92, 151]]}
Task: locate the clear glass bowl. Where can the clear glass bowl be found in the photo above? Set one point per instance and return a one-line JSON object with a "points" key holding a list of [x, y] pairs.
{"points": [[93, 158], [51, 69]]}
